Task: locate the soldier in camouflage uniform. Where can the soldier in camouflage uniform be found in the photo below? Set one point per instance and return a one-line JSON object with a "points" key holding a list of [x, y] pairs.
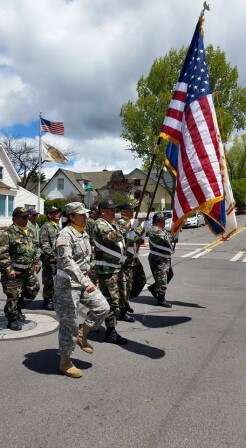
{"points": [[109, 259], [93, 216], [19, 264], [159, 258], [133, 269], [73, 286], [47, 238]]}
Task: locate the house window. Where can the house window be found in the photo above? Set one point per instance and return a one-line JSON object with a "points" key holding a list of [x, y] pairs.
{"points": [[60, 184], [1, 173], [6, 205], [10, 205], [2, 205], [27, 206], [137, 182]]}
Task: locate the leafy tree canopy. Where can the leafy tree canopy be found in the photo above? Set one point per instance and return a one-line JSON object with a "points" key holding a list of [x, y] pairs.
{"points": [[142, 120], [236, 158]]}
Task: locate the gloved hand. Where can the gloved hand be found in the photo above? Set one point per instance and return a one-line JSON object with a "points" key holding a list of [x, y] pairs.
{"points": [[134, 223], [146, 225], [131, 235]]}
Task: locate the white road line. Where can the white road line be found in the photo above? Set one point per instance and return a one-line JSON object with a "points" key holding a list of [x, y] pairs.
{"points": [[192, 253], [237, 256], [202, 253]]}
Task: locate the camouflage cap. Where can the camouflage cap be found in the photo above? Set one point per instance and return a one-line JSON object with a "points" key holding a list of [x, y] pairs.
{"points": [[32, 212], [52, 209], [94, 208], [158, 216], [106, 205], [20, 211], [75, 207], [126, 206]]}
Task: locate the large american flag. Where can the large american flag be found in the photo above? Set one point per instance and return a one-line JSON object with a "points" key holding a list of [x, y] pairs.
{"points": [[189, 124], [55, 127]]}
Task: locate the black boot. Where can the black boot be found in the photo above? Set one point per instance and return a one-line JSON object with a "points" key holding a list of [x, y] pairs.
{"points": [[152, 291], [112, 337], [49, 306], [162, 302], [124, 316], [21, 317], [14, 325]]}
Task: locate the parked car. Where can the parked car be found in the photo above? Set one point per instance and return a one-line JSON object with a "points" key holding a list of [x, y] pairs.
{"points": [[195, 220], [168, 220]]}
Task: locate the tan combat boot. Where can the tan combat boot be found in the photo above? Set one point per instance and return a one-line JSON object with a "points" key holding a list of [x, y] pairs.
{"points": [[82, 340], [67, 368]]}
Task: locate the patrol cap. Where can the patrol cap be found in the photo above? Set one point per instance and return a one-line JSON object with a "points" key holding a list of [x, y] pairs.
{"points": [[126, 206], [75, 207], [20, 211], [52, 209], [158, 216], [109, 204], [94, 208], [32, 212]]}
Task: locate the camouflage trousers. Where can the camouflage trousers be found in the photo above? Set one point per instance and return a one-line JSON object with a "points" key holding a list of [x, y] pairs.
{"points": [[113, 287], [135, 279], [66, 303], [20, 291], [48, 273], [160, 267]]}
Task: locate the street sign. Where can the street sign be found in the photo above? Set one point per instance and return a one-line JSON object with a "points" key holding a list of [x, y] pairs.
{"points": [[88, 187]]}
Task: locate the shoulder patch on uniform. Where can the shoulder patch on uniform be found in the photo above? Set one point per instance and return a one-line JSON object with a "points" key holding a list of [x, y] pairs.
{"points": [[62, 242]]}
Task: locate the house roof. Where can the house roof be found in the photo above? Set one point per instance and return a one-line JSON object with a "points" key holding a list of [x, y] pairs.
{"points": [[154, 176], [100, 179], [72, 177], [3, 185]]}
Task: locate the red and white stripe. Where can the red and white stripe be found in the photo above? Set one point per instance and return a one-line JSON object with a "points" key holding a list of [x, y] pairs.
{"points": [[55, 127], [199, 173]]}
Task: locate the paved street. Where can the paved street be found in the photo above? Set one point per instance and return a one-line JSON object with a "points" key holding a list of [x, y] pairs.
{"points": [[180, 382]]}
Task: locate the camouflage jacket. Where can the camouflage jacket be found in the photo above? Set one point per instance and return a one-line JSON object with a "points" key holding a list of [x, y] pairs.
{"points": [[132, 244], [109, 247], [34, 228], [73, 253], [17, 248], [47, 239], [159, 243]]}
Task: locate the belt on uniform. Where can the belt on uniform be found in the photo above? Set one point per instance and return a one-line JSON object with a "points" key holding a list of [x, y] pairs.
{"points": [[105, 263], [21, 266], [158, 254]]}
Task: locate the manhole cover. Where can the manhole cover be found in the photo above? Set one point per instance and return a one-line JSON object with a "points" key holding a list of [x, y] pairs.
{"points": [[35, 325]]}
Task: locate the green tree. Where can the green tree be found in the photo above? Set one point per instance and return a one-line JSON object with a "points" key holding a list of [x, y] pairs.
{"points": [[239, 191], [142, 120], [236, 158]]}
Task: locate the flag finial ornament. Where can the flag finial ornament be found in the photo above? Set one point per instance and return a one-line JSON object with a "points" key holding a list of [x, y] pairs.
{"points": [[205, 8]]}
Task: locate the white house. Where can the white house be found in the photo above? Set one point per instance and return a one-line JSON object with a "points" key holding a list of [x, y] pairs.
{"points": [[11, 194]]}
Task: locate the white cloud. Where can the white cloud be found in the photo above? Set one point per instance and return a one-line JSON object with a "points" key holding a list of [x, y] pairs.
{"points": [[79, 61]]}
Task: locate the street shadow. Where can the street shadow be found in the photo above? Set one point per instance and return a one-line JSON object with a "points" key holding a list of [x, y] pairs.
{"points": [[151, 321], [47, 362], [132, 346], [146, 300], [189, 304]]}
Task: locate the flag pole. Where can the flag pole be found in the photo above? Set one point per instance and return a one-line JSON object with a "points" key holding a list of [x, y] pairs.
{"points": [[39, 161], [155, 190], [156, 150]]}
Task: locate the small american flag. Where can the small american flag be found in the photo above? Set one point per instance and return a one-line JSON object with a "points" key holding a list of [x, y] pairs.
{"points": [[190, 124], [55, 127]]}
